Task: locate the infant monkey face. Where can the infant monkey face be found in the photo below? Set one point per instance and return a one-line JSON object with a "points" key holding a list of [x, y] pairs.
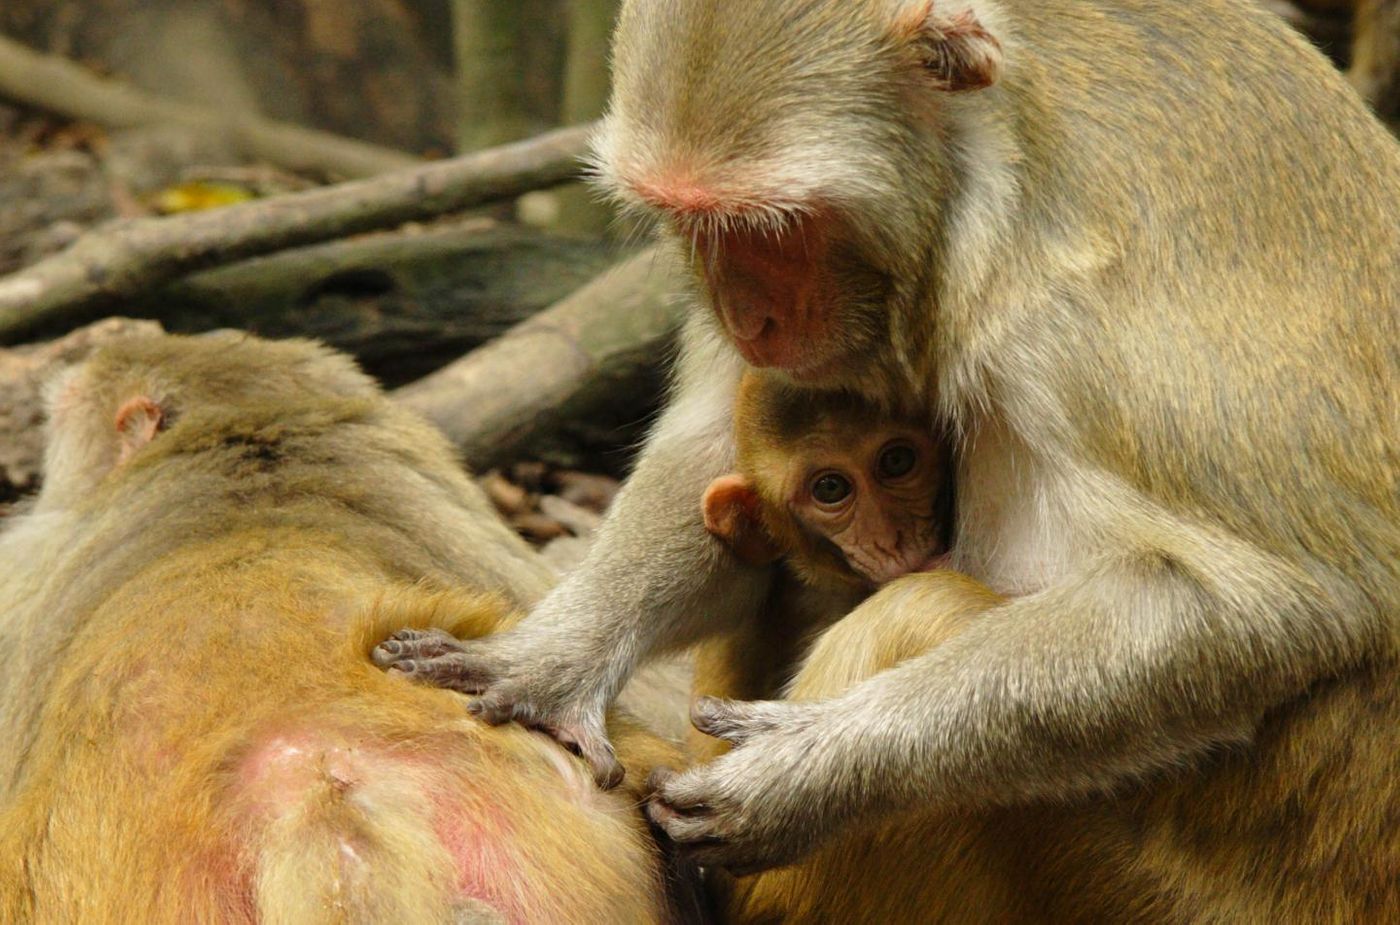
{"points": [[876, 497]]}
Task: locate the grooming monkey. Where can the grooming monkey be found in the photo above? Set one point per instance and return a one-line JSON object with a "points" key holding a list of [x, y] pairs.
{"points": [[1144, 256], [190, 727]]}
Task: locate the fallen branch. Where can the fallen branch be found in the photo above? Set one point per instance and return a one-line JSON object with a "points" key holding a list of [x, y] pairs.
{"points": [[126, 258], [60, 86], [588, 350], [405, 302]]}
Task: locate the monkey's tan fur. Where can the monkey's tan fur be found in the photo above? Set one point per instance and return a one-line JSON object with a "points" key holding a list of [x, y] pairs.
{"points": [[190, 727]]}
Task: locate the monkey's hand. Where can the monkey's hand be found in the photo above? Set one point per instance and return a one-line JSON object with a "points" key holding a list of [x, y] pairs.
{"points": [[763, 804], [539, 693]]}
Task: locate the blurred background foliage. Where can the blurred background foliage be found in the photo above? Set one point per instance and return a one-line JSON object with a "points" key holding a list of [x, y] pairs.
{"points": [[432, 77]]}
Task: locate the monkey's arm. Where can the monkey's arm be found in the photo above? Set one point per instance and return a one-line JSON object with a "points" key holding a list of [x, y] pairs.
{"points": [[654, 579], [1139, 661]]}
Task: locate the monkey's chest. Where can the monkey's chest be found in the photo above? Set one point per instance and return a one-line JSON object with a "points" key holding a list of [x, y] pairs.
{"points": [[1017, 527]]}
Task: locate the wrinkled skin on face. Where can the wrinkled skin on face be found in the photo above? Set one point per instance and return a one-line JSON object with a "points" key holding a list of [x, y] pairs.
{"points": [[847, 497], [875, 501], [795, 296]]}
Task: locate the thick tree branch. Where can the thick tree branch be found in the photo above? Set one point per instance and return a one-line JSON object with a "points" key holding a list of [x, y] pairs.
{"points": [[586, 350], [129, 257], [59, 86]]}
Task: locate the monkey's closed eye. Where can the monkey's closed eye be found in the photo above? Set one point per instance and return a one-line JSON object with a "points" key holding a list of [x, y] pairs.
{"points": [[831, 488], [896, 460]]}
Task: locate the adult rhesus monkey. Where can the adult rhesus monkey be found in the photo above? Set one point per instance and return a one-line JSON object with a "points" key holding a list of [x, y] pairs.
{"points": [[190, 727], [1144, 254]]}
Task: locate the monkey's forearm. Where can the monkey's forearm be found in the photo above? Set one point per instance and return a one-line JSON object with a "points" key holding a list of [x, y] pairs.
{"points": [[655, 578], [1136, 663]]}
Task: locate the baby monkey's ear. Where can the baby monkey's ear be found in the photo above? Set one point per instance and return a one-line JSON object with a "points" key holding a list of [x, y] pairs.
{"points": [[137, 422], [732, 513]]}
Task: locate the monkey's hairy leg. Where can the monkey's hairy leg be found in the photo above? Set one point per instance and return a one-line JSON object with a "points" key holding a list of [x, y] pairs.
{"points": [[1178, 649], [654, 580], [871, 640]]}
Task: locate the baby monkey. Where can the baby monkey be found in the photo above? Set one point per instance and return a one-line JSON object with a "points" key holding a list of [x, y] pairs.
{"points": [[847, 493]]}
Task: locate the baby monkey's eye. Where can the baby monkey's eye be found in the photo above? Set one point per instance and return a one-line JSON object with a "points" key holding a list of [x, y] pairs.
{"points": [[896, 460], [831, 488]]}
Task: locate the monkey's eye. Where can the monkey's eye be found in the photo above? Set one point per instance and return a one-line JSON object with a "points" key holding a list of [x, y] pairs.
{"points": [[896, 460], [831, 488]]}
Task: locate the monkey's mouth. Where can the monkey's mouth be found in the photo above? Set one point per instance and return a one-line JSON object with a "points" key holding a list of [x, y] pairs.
{"points": [[887, 570]]}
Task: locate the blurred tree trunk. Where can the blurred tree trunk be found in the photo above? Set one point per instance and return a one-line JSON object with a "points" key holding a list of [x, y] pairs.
{"points": [[586, 87], [488, 36], [1375, 64], [377, 70]]}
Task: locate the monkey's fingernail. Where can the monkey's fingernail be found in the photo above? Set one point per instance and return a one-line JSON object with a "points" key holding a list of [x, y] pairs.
{"points": [[658, 778], [475, 707], [613, 777], [393, 648]]}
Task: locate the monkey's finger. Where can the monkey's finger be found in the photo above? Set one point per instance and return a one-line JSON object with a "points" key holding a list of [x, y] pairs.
{"points": [[687, 832], [733, 721], [686, 794], [409, 634], [391, 652], [422, 646], [454, 671], [659, 778], [494, 707], [708, 841], [411, 638], [662, 813], [593, 747]]}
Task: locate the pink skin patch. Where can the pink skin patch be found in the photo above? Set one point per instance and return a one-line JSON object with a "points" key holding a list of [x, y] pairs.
{"points": [[681, 198], [426, 781], [286, 770], [475, 836], [763, 262], [768, 287]]}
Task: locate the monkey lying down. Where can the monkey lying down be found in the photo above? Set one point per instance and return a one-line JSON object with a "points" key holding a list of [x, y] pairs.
{"points": [[191, 729]]}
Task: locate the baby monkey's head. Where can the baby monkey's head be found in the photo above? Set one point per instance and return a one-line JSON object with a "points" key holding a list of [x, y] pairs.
{"points": [[843, 489]]}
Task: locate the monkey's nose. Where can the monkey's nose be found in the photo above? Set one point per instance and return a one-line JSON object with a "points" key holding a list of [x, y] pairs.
{"points": [[745, 318]]}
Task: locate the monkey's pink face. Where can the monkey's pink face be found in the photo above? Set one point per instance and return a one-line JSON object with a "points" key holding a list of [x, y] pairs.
{"points": [[781, 294], [783, 275]]}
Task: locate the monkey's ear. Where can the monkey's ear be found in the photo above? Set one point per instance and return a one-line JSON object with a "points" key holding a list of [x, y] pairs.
{"points": [[954, 49], [137, 422], [731, 508]]}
